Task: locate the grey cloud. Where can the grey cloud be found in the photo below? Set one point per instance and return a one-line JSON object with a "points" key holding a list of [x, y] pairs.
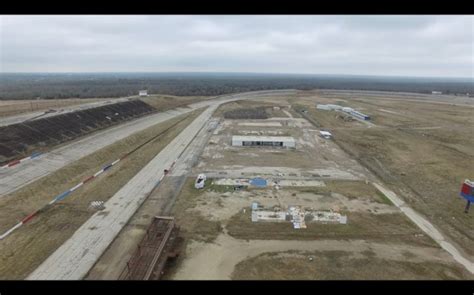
{"points": [[368, 45]]}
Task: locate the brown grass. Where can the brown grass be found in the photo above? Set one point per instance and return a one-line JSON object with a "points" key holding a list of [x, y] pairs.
{"points": [[166, 102], [193, 225], [424, 166], [383, 227], [27, 247], [339, 265], [15, 107], [352, 189]]}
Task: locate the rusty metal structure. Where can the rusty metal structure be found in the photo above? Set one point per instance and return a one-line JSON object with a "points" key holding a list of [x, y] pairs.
{"points": [[156, 247]]}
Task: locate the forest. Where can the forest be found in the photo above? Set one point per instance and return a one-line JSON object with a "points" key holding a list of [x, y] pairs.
{"points": [[102, 85]]}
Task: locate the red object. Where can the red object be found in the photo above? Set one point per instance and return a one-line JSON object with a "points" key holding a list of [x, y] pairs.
{"points": [[13, 163], [27, 218], [88, 179], [466, 189]]}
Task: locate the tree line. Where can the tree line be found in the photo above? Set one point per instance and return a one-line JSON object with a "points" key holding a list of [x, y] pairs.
{"points": [[49, 86]]}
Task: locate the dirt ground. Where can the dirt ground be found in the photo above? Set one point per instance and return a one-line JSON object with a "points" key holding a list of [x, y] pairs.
{"points": [[223, 243], [28, 246], [422, 150], [15, 107], [217, 218], [313, 155], [370, 215], [230, 258]]}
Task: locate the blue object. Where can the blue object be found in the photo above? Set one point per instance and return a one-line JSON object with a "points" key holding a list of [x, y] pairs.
{"points": [[34, 155], [469, 198], [107, 167], [62, 196], [260, 182]]}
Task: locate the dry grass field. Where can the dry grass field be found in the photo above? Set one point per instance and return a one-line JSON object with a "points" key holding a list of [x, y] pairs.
{"points": [[15, 107], [422, 150], [39, 238], [166, 102], [342, 265]]}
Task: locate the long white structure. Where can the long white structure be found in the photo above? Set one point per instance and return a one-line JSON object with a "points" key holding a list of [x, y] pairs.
{"points": [[281, 141], [328, 107]]}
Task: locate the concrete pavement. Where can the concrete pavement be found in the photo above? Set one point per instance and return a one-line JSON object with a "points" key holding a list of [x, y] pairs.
{"points": [[13, 178]]}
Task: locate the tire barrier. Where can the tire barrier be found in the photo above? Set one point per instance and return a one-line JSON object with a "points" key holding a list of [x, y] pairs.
{"points": [[63, 195], [48, 132]]}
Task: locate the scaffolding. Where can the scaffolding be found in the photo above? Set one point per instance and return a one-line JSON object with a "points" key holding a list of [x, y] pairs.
{"points": [[159, 244]]}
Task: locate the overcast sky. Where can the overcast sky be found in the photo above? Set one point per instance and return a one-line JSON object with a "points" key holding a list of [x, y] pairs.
{"points": [[433, 46]]}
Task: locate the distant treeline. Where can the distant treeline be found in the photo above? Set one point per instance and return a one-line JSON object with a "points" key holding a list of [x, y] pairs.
{"points": [[85, 85]]}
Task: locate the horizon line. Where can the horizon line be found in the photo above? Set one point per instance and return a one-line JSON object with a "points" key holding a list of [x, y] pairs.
{"points": [[248, 73]]}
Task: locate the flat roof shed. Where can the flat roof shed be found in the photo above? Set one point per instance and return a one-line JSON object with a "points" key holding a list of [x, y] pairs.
{"points": [[283, 141]]}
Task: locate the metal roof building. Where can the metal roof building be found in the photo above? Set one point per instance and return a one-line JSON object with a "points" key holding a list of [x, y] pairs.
{"points": [[328, 107], [277, 141]]}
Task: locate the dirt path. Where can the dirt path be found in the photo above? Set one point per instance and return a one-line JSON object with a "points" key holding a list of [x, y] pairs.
{"points": [[216, 261], [288, 114], [427, 227]]}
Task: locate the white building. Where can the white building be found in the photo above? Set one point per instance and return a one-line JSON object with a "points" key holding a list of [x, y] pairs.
{"points": [[436, 92], [142, 93], [277, 141], [328, 107]]}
